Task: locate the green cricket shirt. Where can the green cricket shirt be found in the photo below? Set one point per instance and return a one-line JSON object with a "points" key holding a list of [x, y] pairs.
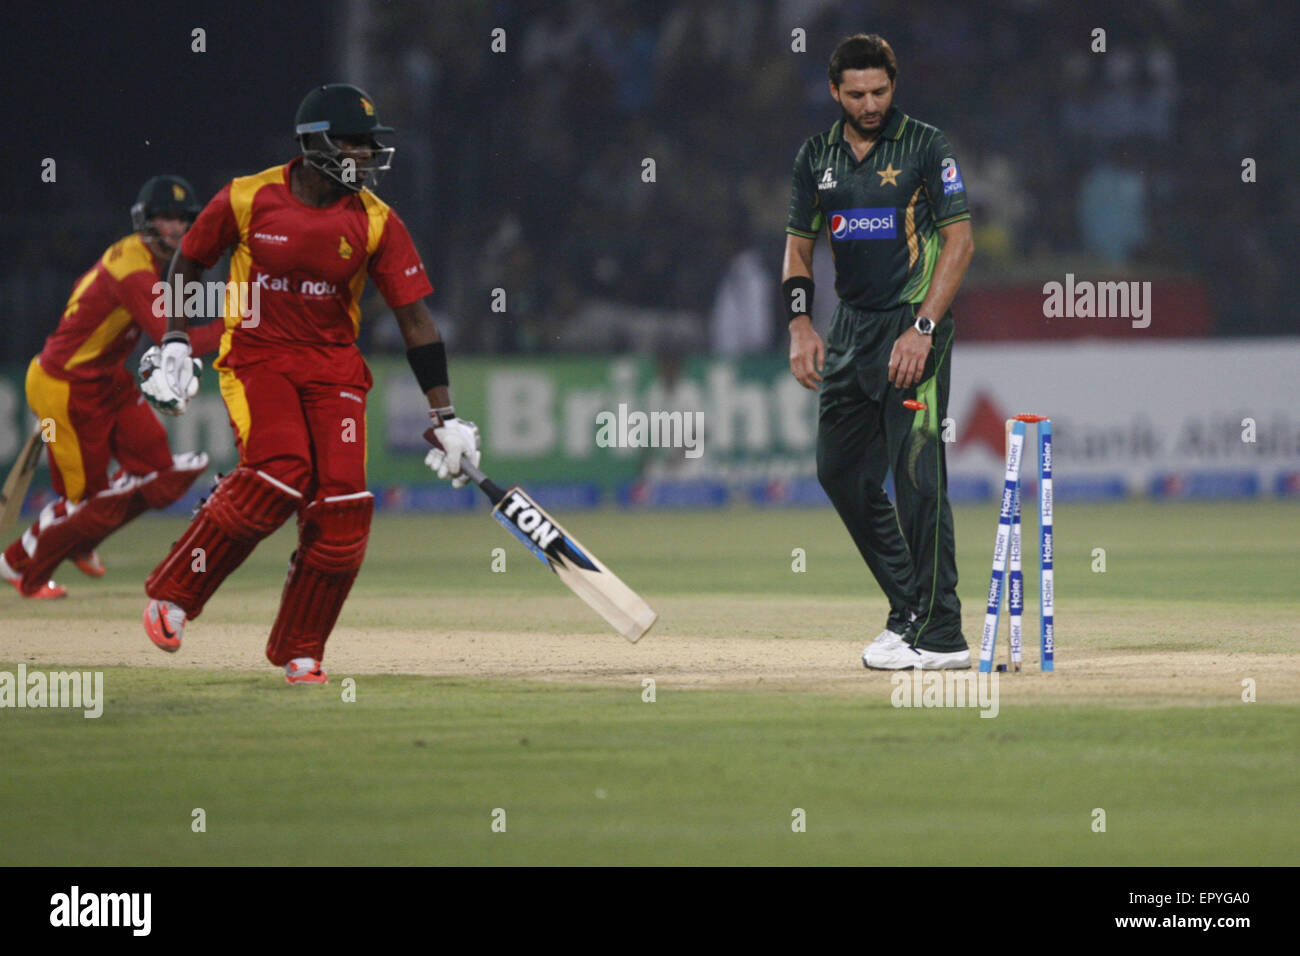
{"points": [[882, 214]]}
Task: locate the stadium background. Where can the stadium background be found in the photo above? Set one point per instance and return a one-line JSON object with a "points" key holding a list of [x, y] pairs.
{"points": [[521, 171]]}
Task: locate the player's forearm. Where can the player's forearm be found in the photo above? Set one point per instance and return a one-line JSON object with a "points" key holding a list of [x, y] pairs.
{"points": [[798, 258], [416, 324], [181, 271], [797, 284], [425, 351], [949, 270], [439, 396]]}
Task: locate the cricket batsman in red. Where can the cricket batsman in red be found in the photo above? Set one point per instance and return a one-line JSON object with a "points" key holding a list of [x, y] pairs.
{"points": [[91, 408], [305, 236]]}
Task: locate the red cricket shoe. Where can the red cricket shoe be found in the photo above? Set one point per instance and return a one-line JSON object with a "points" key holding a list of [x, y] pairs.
{"points": [[89, 564], [47, 591], [164, 622], [305, 670]]}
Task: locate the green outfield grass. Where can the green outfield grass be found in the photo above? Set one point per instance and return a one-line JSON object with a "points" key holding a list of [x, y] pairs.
{"points": [[411, 771]]}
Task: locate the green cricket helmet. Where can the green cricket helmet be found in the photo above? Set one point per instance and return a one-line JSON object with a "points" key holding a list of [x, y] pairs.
{"points": [[164, 196], [342, 111]]}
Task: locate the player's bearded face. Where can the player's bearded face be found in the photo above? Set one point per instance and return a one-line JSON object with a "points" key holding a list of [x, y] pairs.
{"points": [[169, 231], [865, 97]]}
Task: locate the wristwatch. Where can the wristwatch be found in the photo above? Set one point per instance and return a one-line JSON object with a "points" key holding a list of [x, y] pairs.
{"points": [[923, 325]]}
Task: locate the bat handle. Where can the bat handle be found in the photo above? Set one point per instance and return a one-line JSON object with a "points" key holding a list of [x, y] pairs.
{"points": [[473, 474], [490, 488]]}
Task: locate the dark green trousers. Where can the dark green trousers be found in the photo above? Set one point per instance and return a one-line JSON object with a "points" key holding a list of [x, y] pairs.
{"points": [[863, 433]]}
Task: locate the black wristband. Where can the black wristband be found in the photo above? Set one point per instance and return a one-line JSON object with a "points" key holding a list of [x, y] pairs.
{"points": [[429, 363], [175, 336], [797, 291]]}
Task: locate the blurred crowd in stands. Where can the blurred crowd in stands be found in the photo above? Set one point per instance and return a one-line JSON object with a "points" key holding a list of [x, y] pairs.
{"points": [[525, 170], [1122, 162]]}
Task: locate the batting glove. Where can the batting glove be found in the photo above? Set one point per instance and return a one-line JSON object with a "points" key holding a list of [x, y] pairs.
{"points": [[178, 365], [157, 388], [453, 439]]}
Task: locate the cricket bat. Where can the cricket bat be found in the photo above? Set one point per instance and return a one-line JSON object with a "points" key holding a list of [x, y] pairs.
{"points": [[20, 478], [624, 609]]}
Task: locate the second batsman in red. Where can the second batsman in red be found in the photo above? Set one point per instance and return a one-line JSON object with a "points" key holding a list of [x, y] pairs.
{"points": [[81, 391]]}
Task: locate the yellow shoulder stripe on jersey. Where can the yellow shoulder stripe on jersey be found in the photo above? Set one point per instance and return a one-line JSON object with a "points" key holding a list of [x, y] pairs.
{"points": [[242, 191], [377, 212], [128, 255]]}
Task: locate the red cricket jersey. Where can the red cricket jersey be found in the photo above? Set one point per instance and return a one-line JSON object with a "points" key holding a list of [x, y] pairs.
{"points": [[109, 306], [310, 265]]}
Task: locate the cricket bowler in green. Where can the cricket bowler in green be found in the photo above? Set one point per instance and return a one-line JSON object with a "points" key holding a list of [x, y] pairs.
{"points": [[889, 193]]}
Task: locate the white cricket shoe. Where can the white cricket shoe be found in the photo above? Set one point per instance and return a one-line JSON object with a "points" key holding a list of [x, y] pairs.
{"points": [[902, 656], [891, 656], [884, 639], [945, 660]]}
